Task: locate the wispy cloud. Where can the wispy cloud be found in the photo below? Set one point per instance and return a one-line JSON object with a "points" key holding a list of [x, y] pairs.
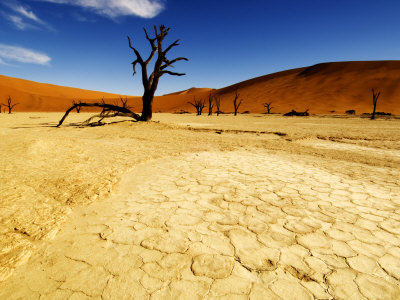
{"points": [[23, 17], [82, 18], [23, 55], [2, 62], [116, 8], [24, 11], [18, 22]]}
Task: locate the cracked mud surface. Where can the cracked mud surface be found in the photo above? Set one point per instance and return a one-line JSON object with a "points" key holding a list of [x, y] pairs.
{"points": [[226, 225], [216, 207]]}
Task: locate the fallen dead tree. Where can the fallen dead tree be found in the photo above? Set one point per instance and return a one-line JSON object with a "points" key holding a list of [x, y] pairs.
{"points": [[109, 111], [296, 113]]}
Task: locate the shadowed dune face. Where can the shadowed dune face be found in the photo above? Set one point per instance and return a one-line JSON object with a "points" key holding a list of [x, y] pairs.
{"points": [[322, 88]]}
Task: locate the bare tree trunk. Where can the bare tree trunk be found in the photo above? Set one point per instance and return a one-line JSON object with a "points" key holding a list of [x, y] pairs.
{"points": [[9, 105], [217, 100], [374, 101], [150, 82], [147, 110], [268, 106], [236, 104], [210, 104]]}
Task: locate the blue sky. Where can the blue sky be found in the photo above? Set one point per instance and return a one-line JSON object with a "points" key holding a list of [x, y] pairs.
{"points": [[82, 43]]}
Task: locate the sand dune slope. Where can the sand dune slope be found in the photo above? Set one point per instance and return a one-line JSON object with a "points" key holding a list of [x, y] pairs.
{"points": [[33, 96], [322, 88]]}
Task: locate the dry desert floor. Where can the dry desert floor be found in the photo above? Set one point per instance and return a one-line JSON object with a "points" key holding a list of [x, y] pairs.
{"points": [[200, 207]]}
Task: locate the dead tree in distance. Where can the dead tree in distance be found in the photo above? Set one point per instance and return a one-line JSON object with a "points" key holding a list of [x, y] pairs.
{"points": [[150, 82], [217, 101], [210, 104], [268, 106], [375, 97], [198, 105], [297, 113], [124, 102], [236, 104], [9, 104]]}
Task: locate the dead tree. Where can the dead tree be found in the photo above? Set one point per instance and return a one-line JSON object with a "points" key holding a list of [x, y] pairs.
{"points": [[217, 101], [108, 111], [124, 102], [198, 105], [150, 82], [268, 106], [210, 104], [296, 113], [236, 104], [375, 97], [9, 105]]}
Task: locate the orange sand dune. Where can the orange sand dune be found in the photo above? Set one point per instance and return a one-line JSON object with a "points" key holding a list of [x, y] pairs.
{"points": [[322, 88], [34, 96]]}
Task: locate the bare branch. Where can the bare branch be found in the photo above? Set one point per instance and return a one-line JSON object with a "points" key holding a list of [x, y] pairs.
{"points": [[172, 73], [134, 67], [124, 102], [169, 63], [198, 105], [171, 46], [139, 58], [148, 38], [78, 107], [153, 47]]}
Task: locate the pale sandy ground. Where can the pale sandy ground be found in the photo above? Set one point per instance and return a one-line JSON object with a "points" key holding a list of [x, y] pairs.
{"points": [[192, 208]]}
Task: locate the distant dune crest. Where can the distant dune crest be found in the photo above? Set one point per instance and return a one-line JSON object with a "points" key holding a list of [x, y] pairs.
{"points": [[322, 88], [192, 90]]}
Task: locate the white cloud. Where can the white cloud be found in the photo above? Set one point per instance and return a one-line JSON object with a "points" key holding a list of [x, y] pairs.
{"points": [[23, 17], [19, 22], [26, 13], [116, 8], [2, 62], [19, 54]]}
